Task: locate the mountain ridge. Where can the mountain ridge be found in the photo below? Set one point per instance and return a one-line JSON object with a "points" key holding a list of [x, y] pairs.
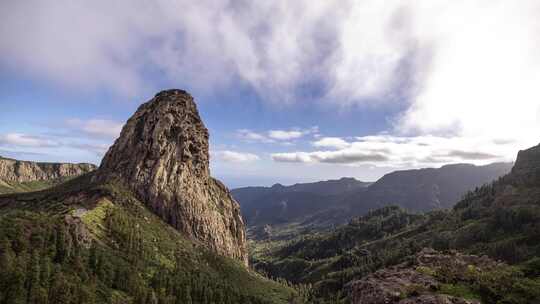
{"points": [[12, 170], [281, 204], [429, 188], [312, 205], [22, 176]]}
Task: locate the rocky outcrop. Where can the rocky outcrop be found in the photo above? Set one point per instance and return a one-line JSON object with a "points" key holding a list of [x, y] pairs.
{"points": [[162, 156], [25, 171], [526, 170], [416, 282]]}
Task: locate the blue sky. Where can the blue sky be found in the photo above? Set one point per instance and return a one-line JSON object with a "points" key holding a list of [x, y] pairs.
{"points": [[290, 92]]}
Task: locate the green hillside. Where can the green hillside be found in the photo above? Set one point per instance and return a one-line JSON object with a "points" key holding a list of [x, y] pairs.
{"points": [[501, 220], [14, 187], [95, 243]]}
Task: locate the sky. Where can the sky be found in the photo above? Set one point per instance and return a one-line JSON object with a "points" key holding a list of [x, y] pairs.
{"points": [[291, 91]]}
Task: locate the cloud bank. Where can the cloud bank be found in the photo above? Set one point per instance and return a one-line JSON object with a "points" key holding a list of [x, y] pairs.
{"points": [[467, 71], [392, 151]]}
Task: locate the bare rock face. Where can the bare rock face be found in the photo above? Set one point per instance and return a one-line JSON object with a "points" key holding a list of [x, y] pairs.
{"points": [[162, 156], [414, 282], [12, 170], [526, 170]]}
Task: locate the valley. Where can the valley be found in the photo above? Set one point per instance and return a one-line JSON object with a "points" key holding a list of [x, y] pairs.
{"points": [[280, 212], [500, 220]]}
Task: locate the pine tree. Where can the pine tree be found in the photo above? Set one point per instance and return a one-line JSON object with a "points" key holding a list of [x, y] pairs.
{"points": [[41, 296], [15, 291], [85, 295], [7, 257], [33, 276], [45, 271], [60, 289], [93, 258], [61, 246]]}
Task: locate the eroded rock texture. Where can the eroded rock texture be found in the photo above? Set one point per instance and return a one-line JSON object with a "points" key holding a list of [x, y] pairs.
{"points": [[12, 170], [162, 156], [526, 170], [413, 282]]}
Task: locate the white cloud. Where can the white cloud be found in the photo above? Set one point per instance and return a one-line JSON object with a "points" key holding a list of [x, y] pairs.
{"points": [[333, 157], [331, 142], [277, 48], [97, 127], [208, 45], [251, 136], [397, 152], [482, 79], [25, 140], [292, 157], [283, 137], [235, 157]]}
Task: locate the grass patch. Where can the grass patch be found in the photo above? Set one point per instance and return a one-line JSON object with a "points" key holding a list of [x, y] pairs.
{"points": [[30, 186], [94, 219], [459, 290], [426, 270]]}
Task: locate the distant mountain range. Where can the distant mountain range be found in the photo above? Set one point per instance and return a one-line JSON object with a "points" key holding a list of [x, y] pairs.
{"points": [[282, 204], [426, 189], [336, 201]]}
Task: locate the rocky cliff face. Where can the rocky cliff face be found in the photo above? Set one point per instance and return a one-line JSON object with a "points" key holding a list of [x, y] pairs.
{"points": [[417, 281], [25, 171], [162, 156], [526, 170]]}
